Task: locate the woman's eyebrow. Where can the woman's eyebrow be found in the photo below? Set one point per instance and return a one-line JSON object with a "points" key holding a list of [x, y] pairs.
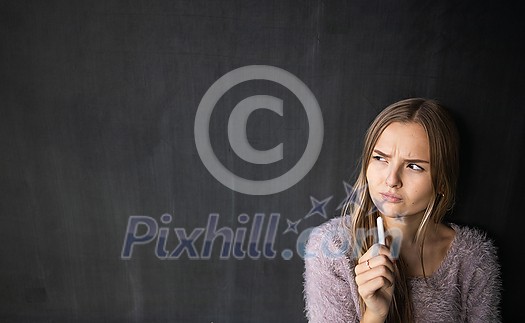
{"points": [[379, 152]]}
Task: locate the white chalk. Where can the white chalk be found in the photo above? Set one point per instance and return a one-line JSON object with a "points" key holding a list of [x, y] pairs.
{"points": [[380, 230]]}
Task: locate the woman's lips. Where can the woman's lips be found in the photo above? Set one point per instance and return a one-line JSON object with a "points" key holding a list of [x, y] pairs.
{"points": [[392, 198]]}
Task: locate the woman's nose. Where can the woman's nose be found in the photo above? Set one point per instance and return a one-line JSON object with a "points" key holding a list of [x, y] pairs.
{"points": [[393, 179]]}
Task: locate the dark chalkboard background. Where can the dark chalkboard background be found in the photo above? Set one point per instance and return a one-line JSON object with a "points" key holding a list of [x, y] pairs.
{"points": [[98, 103]]}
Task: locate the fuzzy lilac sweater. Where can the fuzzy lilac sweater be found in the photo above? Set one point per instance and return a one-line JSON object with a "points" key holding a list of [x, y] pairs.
{"points": [[465, 288]]}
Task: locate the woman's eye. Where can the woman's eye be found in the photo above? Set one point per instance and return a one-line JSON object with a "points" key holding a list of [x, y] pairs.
{"points": [[415, 167], [380, 158]]}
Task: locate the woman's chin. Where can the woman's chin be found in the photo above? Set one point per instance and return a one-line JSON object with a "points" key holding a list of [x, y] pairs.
{"points": [[393, 213]]}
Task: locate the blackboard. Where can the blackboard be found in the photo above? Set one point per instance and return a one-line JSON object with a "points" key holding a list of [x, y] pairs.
{"points": [[99, 144]]}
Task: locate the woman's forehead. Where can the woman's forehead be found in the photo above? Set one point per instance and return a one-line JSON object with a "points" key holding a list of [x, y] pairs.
{"points": [[409, 140]]}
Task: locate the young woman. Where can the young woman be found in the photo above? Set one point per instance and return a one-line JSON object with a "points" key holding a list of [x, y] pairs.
{"points": [[427, 270]]}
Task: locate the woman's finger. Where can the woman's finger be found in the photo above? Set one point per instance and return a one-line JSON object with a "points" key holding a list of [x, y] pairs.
{"points": [[370, 263], [375, 250], [371, 274], [371, 287]]}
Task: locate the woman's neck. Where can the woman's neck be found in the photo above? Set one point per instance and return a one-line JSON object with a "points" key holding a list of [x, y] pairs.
{"points": [[407, 226], [438, 238]]}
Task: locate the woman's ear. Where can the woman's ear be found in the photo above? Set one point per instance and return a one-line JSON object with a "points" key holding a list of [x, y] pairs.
{"points": [[441, 190]]}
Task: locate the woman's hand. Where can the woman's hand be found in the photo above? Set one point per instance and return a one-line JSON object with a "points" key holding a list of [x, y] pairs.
{"points": [[375, 281]]}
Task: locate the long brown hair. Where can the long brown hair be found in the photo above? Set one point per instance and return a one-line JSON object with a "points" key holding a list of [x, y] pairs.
{"points": [[444, 161]]}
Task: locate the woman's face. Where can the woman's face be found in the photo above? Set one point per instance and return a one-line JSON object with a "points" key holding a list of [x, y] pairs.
{"points": [[398, 172]]}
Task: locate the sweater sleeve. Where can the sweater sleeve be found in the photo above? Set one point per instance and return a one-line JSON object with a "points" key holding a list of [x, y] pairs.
{"points": [[328, 278], [484, 285]]}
